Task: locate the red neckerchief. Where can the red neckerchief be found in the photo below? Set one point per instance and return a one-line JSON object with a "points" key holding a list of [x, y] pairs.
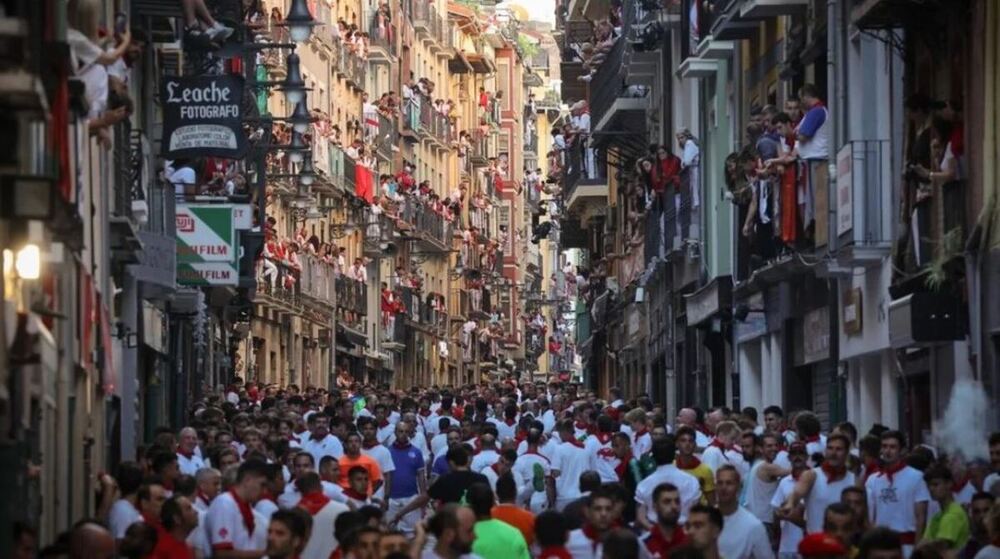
{"points": [[246, 511], [425, 413], [797, 473], [960, 484], [703, 429], [201, 495], [520, 436], [641, 432], [383, 424], [187, 455], [151, 520], [872, 467], [833, 474], [720, 445], [622, 466], [812, 439], [168, 484], [267, 496], [553, 552], [313, 502], [350, 492], [337, 554], [592, 535], [495, 469], [890, 471], [582, 427], [510, 422], [574, 442], [659, 546], [603, 438], [369, 446], [688, 462]]}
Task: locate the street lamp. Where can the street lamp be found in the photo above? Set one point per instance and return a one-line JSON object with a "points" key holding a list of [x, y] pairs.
{"points": [[297, 148], [300, 119], [293, 86], [299, 21], [307, 175]]}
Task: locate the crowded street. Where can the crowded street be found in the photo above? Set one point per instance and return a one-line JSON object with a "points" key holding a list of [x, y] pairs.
{"points": [[469, 279]]}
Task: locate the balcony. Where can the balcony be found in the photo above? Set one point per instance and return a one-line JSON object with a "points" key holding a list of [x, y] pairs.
{"points": [[342, 170], [883, 14], [317, 281], [129, 209], [429, 229], [615, 106], [433, 125], [349, 66], [760, 9], [586, 186], [382, 42], [411, 117], [388, 136], [480, 154], [352, 302], [731, 25], [862, 201], [379, 234], [424, 312]]}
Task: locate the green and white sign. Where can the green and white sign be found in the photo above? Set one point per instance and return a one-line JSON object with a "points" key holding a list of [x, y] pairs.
{"points": [[207, 249]]}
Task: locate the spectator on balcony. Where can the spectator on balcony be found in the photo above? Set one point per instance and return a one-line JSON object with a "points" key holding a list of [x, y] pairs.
{"points": [[269, 270], [357, 271], [200, 28], [812, 145], [759, 225], [668, 173], [947, 146], [691, 165], [484, 100]]}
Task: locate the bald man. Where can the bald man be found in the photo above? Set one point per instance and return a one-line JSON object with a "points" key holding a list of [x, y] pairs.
{"points": [[91, 540]]}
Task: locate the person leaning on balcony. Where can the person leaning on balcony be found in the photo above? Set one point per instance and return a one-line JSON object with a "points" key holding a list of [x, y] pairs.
{"points": [[812, 141]]}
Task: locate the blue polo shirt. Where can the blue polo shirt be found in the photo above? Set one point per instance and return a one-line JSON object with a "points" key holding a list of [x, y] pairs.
{"points": [[408, 462]]}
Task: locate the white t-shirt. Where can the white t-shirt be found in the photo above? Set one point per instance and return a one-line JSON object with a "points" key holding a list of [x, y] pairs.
{"points": [[687, 485], [189, 466], [524, 473], [227, 528], [743, 536], [605, 461], [380, 454], [122, 515], [486, 458], [181, 178], [713, 457], [321, 538], [266, 508], [439, 444], [581, 547], [328, 446], [891, 503], [291, 496], [198, 538], [570, 461], [791, 534], [759, 494]]}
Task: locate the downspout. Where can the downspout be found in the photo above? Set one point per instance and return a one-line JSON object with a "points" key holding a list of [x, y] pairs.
{"points": [[835, 84]]}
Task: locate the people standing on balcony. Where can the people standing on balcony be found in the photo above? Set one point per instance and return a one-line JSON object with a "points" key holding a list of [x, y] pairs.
{"points": [[812, 146], [691, 167], [201, 30]]}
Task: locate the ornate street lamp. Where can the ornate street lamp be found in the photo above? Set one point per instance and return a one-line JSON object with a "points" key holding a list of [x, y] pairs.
{"points": [[299, 21], [307, 175]]}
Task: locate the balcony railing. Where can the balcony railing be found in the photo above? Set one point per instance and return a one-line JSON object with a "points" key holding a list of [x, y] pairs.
{"points": [[426, 224], [342, 168], [411, 114], [129, 198], [383, 37], [348, 64], [582, 167], [433, 123], [388, 135], [352, 295], [680, 218], [607, 83], [421, 310], [317, 280]]}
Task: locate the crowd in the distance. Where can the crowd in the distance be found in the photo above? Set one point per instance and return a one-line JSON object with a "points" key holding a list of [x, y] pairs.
{"points": [[535, 470]]}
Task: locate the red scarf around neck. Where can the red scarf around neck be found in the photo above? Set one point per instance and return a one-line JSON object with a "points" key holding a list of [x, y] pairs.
{"points": [[246, 511], [622, 466], [201, 494], [369, 446], [188, 455], [688, 462], [890, 471], [313, 502], [641, 432], [510, 422], [959, 484], [425, 413], [351, 493], [267, 496], [574, 442], [603, 438], [812, 439], [657, 542], [720, 445], [593, 535], [383, 424], [834, 474], [555, 552]]}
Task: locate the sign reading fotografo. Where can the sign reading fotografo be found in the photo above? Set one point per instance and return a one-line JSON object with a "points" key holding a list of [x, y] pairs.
{"points": [[203, 116], [207, 251]]}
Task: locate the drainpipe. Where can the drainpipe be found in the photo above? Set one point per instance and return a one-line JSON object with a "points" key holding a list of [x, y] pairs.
{"points": [[835, 93]]}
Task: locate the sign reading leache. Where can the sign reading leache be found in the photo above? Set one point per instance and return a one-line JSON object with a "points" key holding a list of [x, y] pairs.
{"points": [[202, 116]]}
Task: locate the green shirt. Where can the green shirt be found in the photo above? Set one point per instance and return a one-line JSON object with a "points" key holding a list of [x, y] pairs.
{"points": [[496, 539], [950, 524]]}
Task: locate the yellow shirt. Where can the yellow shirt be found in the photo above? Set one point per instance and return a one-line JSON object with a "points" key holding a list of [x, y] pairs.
{"points": [[705, 479]]}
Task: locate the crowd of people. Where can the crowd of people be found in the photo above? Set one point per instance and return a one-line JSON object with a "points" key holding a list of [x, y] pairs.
{"points": [[535, 470]]}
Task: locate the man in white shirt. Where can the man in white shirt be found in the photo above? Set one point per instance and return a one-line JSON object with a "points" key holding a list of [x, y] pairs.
{"points": [[664, 451], [897, 493], [324, 512], [125, 511], [230, 521], [320, 442], [569, 461], [763, 482], [689, 417], [722, 450], [371, 447], [585, 543], [208, 484], [188, 460], [533, 472], [791, 533], [487, 455], [743, 535], [820, 486], [358, 272], [303, 464]]}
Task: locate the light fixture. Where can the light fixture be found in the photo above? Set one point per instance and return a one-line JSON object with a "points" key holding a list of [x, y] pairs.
{"points": [[315, 213], [300, 22], [307, 175], [294, 86], [300, 119], [296, 148], [28, 262]]}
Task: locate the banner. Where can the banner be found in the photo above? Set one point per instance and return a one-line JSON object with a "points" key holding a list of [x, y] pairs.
{"points": [[203, 116], [364, 184], [207, 251]]}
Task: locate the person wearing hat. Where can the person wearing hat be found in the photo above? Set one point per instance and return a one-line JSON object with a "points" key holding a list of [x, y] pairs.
{"points": [[822, 546]]}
